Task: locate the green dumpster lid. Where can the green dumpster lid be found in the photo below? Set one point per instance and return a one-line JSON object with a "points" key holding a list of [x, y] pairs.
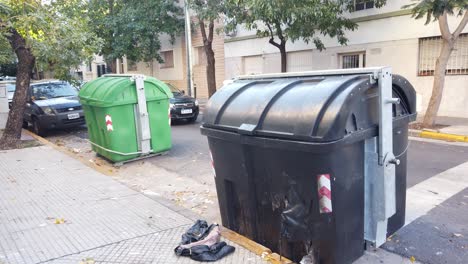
{"points": [[114, 89]]}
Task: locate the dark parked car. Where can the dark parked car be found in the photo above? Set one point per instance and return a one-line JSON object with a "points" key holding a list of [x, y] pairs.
{"points": [[53, 105], [183, 106]]}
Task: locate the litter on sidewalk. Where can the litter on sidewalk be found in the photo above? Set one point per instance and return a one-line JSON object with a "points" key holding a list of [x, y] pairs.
{"points": [[202, 242]]}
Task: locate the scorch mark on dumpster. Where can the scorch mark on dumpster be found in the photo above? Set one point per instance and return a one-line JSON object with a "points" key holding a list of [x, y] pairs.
{"points": [[324, 193], [109, 123]]}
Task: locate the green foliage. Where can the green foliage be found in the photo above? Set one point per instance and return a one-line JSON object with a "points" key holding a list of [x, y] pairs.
{"points": [[208, 10], [433, 9], [132, 28], [56, 32], [292, 20], [8, 69], [6, 53]]}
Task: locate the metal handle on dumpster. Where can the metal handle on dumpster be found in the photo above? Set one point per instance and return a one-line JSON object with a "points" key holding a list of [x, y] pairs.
{"points": [[113, 151]]}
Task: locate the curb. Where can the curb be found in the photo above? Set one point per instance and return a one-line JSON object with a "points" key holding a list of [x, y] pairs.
{"points": [[102, 168], [438, 135], [254, 247]]}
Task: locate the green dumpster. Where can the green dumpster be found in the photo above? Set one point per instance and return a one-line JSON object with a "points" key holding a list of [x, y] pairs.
{"points": [[127, 116]]}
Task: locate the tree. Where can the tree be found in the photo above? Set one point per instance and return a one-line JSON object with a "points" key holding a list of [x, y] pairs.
{"points": [[7, 59], [439, 10], [207, 14], [132, 28], [52, 35], [293, 20]]}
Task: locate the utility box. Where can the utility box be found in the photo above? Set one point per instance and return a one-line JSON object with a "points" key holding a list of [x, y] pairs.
{"points": [[313, 160], [3, 105], [127, 116]]}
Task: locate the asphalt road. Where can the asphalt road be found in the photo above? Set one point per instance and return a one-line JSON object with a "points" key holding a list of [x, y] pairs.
{"points": [[441, 236]]}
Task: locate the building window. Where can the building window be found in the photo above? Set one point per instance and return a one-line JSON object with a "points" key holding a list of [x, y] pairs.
{"points": [[131, 65], [201, 56], [90, 67], [168, 57], [101, 70], [359, 5], [353, 60], [429, 51]]}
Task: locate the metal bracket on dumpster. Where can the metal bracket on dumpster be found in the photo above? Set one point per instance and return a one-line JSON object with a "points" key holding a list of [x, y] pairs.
{"points": [[380, 185], [141, 116]]}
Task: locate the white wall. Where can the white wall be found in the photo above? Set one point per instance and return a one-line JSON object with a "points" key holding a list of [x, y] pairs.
{"points": [[391, 41], [402, 55], [153, 68], [388, 29]]}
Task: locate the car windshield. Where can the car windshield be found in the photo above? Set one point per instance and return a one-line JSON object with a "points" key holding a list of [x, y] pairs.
{"points": [[11, 87], [174, 89], [53, 90]]}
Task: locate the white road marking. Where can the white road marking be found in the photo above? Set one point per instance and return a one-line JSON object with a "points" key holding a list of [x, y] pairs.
{"points": [[426, 195]]}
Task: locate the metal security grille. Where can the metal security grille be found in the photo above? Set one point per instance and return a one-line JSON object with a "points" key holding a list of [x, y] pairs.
{"points": [[353, 60], [429, 51], [363, 4]]}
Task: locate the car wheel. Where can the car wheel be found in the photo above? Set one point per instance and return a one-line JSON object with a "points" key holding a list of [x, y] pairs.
{"points": [[37, 129]]}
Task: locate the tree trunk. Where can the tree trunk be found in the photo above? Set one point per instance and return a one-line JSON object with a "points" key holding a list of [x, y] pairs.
{"points": [[438, 85], [210, 70], [12, 132], [282, 47], [448, 43], [210, 57], [284, 58]]}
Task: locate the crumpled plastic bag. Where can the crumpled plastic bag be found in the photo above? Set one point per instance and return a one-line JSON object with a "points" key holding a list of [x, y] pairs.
{"points": [[203, 243]]}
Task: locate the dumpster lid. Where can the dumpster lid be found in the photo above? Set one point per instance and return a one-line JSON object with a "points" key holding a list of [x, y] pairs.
{"points": [[308, 106], [120, 89]]}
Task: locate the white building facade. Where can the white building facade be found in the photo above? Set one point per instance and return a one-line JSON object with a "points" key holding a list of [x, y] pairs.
{"points": [[386, 36]]}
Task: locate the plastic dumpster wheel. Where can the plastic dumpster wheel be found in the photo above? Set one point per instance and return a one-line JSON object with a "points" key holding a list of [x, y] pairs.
{"points": [[25, 124], [37, 129]]}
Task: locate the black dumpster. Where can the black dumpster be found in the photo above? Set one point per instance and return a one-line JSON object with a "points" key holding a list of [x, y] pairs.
{"points": [[289, 159]]}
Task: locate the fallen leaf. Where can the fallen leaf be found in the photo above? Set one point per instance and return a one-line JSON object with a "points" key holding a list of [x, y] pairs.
{"points": [[59, 221], [87, 261], [76, 150], [412, 259]]}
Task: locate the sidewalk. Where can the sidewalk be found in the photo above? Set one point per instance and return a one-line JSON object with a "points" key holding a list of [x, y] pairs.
{"points": [[457, 126], [103, 220], [451, 129], [54, 209]]}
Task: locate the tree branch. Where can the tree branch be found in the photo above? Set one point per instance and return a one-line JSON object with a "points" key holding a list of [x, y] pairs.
{"points": [[279, 31], [202, 29], [461, 26], [211, 30], [272, 42], [272, 37], [444, 28]]}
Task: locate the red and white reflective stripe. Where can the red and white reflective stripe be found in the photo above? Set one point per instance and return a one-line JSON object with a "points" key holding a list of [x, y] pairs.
{"points": [[169, 115], [109, 123], [212, 164], [324, 193]]}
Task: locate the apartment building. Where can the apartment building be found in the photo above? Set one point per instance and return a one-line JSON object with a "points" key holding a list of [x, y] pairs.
{"points": [[386, 36]]}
